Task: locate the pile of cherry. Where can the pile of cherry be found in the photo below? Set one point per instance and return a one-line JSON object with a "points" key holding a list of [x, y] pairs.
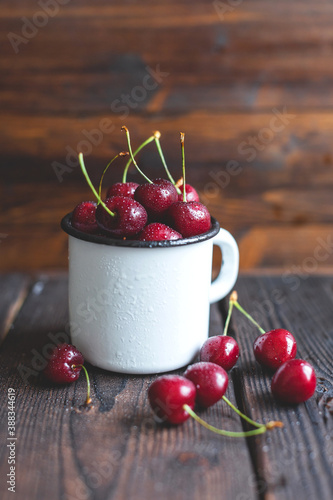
{"points": [[157, 210], [173, 397]]}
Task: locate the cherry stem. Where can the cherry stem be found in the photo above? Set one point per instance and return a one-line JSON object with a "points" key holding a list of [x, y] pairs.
{"points": [[182, 138], [157, 136], [261, 430], [85, 173], [248, 419], [123, 153], [88, 400], [234, 300], [226, 326], [131, 153], [150, 139]]}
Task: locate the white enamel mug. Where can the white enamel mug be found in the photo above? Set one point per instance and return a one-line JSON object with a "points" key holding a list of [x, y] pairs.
{"points": [[143, 307]]}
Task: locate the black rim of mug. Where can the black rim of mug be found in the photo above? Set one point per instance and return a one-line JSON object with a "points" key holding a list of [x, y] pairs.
{"points": [[66, 225]]}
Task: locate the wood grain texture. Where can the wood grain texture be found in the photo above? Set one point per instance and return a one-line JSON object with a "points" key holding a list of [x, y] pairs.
{"points": [[115, 450], [13, 291], [227, 69], [302, 455]]}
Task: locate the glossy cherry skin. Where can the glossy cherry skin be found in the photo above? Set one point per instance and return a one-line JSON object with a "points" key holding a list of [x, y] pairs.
{"points": [[59, 368], [129, 220], [156, 197], [189, 218], [156, 231], [273, 348], [191, 193], [126, 189], [168, 394], [294, 382], [221, 350], [210, 380], [84, 217]]}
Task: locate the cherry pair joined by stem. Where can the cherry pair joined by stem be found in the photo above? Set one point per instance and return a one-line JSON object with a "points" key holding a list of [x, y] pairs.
{"points": [[294, 380], [173, 397]]}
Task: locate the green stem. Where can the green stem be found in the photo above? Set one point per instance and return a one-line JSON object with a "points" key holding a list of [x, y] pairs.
{"points": [[236, 304], [222, 432], [157, 136], [248, 419], [182, 138], [226, 326], [131, 153], [85, 173], [123, 153], [88, 400], [135, 153]]}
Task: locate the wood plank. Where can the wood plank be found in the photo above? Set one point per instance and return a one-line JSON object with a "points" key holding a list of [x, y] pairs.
{"points": [[296, 250], [298, 461], [275, 207], [61, 95], [292, 40], [281, 228], [301, 148], [276, 58], [115, 450], [13, 291]]}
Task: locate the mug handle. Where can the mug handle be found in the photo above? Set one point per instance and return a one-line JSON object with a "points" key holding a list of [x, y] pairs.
{"points": [[227, 276]]}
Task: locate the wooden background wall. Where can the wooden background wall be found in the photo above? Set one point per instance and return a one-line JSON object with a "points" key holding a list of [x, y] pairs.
{"points": [[249, 82]]}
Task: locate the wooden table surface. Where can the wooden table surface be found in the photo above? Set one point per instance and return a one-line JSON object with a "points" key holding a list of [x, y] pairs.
{"points": [[117, 451]]}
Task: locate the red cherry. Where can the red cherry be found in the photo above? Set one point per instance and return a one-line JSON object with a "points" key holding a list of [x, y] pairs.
{"points": [[191, 193], [156, 231], [60, 367], [156, 197], [167, 396], [273, 348], [189, 218], [126, 189], [84, 217], [294, 382], [221, 350], [210, 380], [129, 220]]}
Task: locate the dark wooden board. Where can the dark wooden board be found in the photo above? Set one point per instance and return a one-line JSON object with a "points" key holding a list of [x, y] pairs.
{"points": [[13, 291], [298, 462], [300, 152], [115, 450]]}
